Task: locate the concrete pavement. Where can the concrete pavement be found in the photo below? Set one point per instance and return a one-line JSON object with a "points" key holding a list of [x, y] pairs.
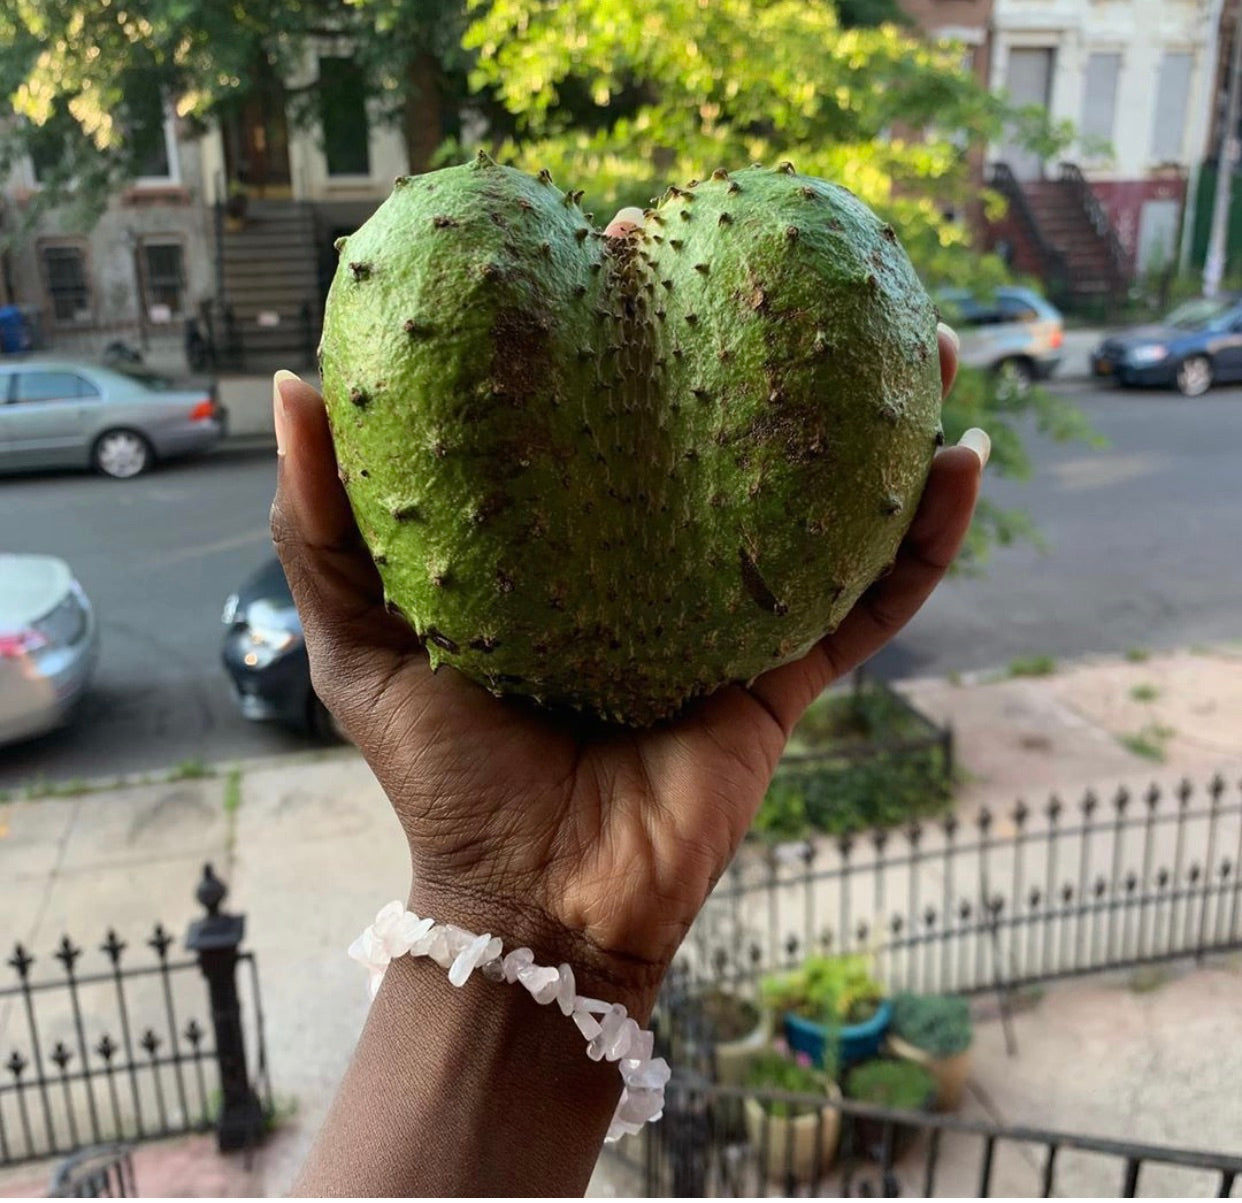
{"points": [[309, 849]]}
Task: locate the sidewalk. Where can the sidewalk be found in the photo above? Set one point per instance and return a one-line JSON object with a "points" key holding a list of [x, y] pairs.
{"points": [[310, 849]]}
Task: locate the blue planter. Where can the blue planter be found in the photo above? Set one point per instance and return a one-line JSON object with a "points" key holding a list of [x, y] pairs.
{"points": [[855, 1041]]}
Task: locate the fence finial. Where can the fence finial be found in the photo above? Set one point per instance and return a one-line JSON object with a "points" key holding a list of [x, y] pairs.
{"points": [[211, 891]]}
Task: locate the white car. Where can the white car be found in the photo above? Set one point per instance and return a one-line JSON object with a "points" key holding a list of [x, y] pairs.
{"points": [[49, 642], [1013, 333]]}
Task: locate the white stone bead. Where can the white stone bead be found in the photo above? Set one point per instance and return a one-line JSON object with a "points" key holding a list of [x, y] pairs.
{"points": [[646, 1074], [493, 970], [611, 1027], [515, 960], [469, 957], [410, 929], [592, 1006], [565, 990], [435, 946], [588, 1025], [541, 981], [623, 1041], [638, 1106], [642, 1046]]}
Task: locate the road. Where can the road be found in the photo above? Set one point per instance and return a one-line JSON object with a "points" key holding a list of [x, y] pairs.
{"points": [[1144, 553]]}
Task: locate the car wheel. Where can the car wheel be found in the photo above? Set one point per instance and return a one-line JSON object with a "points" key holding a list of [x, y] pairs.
{"points": [[1014, 377], [122, 454], [1194, 376], [322, 723]]}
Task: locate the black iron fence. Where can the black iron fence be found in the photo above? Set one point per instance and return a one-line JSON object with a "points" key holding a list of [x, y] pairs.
{"points": [[720, 1141], [994, 900], [120, 1052]]}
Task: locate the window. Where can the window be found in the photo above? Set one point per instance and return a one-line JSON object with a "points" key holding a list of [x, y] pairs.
{"points": [[1099, 100], [163, 279], [64, 272], [343, 115], [1172, 94], [146, 124], [52, 386]]}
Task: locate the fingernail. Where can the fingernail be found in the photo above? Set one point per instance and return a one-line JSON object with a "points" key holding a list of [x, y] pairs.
{"points": [[278, 406], [977, 440], [951, 334], [626, 219]]}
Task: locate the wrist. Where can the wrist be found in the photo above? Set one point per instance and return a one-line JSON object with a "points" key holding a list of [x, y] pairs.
{"points": [[523, 923]]}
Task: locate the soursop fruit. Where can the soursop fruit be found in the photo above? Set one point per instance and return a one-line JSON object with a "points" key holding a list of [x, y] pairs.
{"points": [[616, 474]]}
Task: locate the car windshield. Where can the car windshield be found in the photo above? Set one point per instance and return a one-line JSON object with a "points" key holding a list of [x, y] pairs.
{"points": [[1195, 315]]}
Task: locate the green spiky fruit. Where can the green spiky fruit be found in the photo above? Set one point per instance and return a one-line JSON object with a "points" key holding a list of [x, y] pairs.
{"points": [[617, 474]]}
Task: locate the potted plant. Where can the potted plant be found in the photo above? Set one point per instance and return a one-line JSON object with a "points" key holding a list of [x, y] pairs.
{"points": [[831, 1001], [895, 1086], [935, 1031], [737, 1029], [791, 1139], [236, 204]]}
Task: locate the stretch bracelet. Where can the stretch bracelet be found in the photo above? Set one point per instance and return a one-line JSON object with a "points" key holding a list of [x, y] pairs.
{"points": [[608, 1030]]}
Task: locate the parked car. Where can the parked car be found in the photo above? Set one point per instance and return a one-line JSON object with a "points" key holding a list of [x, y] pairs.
{"points": [[1197, 345], [49, 642], [265, 656], [67, 414], [1011, 331]]}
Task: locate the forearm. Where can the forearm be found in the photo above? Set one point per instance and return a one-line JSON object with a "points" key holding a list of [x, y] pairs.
{"points": [[470, 1091]]}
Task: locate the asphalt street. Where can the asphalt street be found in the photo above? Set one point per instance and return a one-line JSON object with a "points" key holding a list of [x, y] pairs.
{"points": [[1144, 552]]}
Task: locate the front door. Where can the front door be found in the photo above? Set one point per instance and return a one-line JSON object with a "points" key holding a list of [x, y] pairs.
{"points": [[256, 139], [1028, 80]]}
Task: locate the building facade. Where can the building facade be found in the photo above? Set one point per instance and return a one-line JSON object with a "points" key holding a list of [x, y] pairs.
{"points": [[1137, 79]]}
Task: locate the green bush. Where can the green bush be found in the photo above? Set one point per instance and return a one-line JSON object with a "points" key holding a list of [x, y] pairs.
{"points": [[775, 1071], [828, 990], [901, 1085], [938, 1024]]}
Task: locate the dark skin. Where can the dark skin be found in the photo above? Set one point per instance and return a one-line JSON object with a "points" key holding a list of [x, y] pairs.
{"points": [[596, 847]]}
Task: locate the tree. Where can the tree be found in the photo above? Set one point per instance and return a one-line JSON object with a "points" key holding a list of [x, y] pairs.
{"points": [[82, 75], [679, 91], [732, 82]]}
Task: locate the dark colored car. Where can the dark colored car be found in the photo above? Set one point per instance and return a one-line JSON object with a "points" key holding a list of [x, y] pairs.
{"points": [[1198, 345], [265, 655]]}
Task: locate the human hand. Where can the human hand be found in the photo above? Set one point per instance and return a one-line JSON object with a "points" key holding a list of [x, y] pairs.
{"points": [[593, 846]]}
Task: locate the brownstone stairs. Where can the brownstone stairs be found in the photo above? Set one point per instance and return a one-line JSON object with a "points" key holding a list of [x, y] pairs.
{"points": [[1057, 230], [269, 313]]}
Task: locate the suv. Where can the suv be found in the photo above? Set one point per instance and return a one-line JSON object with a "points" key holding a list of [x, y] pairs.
{"points": [[1012, 332]]}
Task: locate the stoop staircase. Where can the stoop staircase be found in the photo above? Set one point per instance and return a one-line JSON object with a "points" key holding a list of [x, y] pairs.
{"points": [[1060, 232]]}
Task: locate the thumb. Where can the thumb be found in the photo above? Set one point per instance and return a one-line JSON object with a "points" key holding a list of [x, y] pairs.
{"points": [[335, 586], [625, 222]]}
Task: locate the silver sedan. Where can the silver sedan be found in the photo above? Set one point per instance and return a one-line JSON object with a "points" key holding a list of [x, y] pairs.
{"points": [[49, 642], [64, 414]]}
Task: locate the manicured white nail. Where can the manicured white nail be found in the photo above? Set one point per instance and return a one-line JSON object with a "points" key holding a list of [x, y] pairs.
{"points": [[977, 440], [278, 406], [951, 334], [631, 214]]}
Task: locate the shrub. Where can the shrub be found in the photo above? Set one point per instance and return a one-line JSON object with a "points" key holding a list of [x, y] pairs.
{"points": [[827, 990], [773, 1070], [901, 1085], [937, 1024]]}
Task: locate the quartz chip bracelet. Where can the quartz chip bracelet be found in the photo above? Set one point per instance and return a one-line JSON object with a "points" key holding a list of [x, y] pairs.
{"points": [[610, 1033]]}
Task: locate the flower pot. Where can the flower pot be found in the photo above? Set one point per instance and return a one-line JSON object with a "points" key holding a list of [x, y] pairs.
{"points": [[855, 1041], [788, 1147], [950, 1072], [732, 1058]]}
